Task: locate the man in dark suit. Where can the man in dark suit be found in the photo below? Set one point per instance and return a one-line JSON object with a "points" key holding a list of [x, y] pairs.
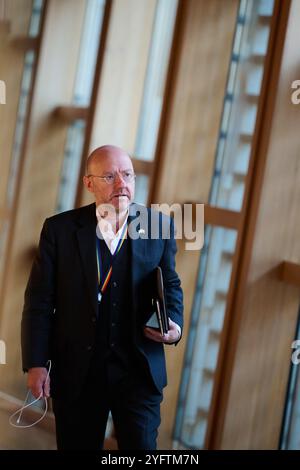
{"points": [[87, 302]]}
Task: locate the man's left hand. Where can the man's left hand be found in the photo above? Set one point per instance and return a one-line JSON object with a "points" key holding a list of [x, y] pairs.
{"points": [[172, 336]]}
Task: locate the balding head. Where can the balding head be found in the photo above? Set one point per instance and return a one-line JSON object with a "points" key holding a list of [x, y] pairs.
{"points": [[110, 160], [111, 152]]}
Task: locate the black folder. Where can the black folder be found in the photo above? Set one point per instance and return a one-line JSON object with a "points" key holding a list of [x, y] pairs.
{"points": [[159, 318]]}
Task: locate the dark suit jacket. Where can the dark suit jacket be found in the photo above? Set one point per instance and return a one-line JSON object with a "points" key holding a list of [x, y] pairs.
{"points": [[60, 310]]}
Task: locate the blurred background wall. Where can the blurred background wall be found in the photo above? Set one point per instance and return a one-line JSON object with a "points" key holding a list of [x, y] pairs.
{"points": [[199, 93]]}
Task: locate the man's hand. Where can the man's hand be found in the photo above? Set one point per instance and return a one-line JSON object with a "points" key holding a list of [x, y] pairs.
{"points": [[172, 336], [37, 383]]}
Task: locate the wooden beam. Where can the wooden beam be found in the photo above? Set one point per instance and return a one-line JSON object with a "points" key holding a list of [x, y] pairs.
{"points": [[257, 59], [93, 101], [290, 273], [25, 43], [142, 167], [4, 213], [221, 217], [251, 99], [264, 20], [5, 26], [246, 138], [68, 114]]}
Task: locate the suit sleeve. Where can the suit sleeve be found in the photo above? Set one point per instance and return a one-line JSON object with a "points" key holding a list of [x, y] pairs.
{"points": [[172, 284], [39, 305]]}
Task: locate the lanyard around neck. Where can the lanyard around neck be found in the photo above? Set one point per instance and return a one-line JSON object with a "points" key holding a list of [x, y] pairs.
{"points": [[104, 280]]}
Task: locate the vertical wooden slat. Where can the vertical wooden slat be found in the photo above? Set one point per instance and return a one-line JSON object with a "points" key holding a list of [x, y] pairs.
{"points": [[169, 96], [123, 71], [93, 103]]}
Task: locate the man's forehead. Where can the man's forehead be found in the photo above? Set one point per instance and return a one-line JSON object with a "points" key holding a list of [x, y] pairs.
{"points": [[121, 161]]}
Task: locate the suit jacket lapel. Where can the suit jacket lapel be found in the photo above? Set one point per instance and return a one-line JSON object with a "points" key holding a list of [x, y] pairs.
{"points": [[138, 244], [138, 251], [86, 237]]}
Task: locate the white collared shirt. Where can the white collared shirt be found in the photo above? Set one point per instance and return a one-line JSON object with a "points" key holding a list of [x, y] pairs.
{"points": [[109, 236]]}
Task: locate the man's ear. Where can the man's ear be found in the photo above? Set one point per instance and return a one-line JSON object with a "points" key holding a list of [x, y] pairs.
{"points": [[88, 183]]}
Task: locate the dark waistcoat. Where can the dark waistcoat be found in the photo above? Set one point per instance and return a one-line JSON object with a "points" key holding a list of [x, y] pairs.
{"points": [[114, 340]]}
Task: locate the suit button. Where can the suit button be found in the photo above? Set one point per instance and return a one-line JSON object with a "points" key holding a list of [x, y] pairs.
{"points": [[89, 348], [94, 319], [114, 304], [112, 345], [115, 284], [113, 324]]}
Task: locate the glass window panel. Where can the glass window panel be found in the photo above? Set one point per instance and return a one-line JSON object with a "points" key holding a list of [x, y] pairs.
{"points": [[260, 41], [71, 166], [22, 112], [266, 7], [240, 104], [204, 338], [35, 21], [88, 52], [254, 79], [141, 189], [154, 87], [155, 79]]}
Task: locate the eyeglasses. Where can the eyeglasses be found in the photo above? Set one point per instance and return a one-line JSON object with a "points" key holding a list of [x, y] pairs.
{"points": [[110, 178]]}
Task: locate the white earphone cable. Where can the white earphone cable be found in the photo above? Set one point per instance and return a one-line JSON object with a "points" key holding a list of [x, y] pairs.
{"points": [[26, 405]]}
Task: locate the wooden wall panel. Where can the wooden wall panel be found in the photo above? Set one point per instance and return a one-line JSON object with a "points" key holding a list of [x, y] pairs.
{"points": [[11, 71], [188, 146], [37, 191], [269, 314]]}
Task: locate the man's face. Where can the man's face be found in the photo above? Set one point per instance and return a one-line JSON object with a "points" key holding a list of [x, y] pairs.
{"points": [[120, 193]]}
